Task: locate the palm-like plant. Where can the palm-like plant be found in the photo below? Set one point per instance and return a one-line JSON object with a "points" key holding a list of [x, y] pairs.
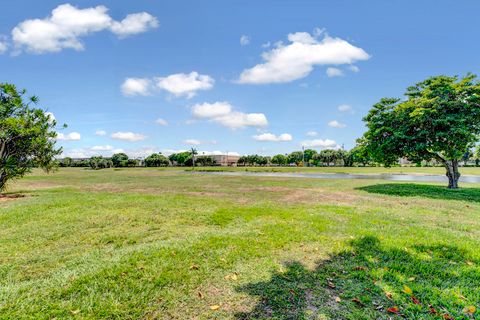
{"points": [[193, 152]]}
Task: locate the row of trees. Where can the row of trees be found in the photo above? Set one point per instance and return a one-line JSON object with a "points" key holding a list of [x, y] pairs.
{"points": [[357, 156], [310, 157]]}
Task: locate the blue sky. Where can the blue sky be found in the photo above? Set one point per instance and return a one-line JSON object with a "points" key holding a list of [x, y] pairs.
{"points": [[116, 72]]}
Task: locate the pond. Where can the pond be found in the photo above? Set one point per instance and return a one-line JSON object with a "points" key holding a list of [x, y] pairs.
{"points": [[389, 177]]}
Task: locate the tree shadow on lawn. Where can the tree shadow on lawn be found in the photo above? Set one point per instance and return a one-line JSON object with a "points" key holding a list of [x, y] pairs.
{"points": [[368, 280], [424, 190]]}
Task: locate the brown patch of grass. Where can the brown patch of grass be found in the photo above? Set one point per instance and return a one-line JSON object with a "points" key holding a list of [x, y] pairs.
{"points": [[10, 196]]}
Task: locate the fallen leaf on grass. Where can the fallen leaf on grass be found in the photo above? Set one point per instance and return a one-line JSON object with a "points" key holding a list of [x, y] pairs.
{"points": [[231, 277], [407, 290], [215, 307], [388, 295], [337, 299], [200, 295], [331, 285], [74, 312], [415, 300], [446, 316], [470, 310], [357, 301], [360, 268], [411, 279], [432, 309], [194, 267], [393, 310]]}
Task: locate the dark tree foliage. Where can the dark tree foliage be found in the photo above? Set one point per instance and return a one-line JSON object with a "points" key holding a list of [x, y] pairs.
{"points": [[120, 160], [156, 160], [440, 119], [27, 135]]}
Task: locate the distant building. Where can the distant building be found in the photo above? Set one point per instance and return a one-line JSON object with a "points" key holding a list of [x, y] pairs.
{"points": [[225, 160]]}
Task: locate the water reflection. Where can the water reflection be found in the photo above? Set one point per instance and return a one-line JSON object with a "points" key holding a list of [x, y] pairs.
{"points": [[389, 177]]}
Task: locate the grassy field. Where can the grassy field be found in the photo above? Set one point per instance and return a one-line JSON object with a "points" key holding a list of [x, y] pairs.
{"points": [[166, 244]]}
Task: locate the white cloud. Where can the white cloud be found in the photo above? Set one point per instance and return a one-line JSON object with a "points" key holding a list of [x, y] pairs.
{"points": [[345, 108], [286, 63], [319, 143], [67, 24], [3, 45], [193, 142], [136, 86], [72, 136], [134, 23], [266, 44], [224, 114], [161, 122], [336, 124], [273, 138], [354, 68], [51, 117], [334, 72], [312, 133], [182, 84], [244, 40], [128, 136], [100, 133], [102, 148]]}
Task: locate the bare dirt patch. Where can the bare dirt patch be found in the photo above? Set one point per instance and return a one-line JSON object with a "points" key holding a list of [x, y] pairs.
{"points": [[10, 197]]}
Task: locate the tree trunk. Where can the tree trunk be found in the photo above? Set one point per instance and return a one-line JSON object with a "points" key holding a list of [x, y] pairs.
{"points": [[452, 173], [3, 181]]}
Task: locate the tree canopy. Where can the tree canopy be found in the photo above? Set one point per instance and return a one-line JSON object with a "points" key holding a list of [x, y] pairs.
{"points": [[27, 135], [156, 160], [440, 119]]}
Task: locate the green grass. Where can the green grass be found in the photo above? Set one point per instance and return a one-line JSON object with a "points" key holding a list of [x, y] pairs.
{"points": [[166, 244]]}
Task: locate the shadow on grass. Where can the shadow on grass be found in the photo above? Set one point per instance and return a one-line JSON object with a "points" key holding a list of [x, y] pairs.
{"points": [[368, 280], [424, 190]]}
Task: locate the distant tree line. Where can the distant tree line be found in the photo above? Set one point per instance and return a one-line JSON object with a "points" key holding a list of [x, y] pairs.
{"points": [[358, 156]]}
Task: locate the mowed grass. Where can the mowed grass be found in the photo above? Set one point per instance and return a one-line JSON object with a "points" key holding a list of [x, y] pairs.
{"points": [[167, 244]]}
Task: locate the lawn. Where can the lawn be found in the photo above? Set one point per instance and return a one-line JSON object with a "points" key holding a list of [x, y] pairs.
{"points": [[167, 244]]}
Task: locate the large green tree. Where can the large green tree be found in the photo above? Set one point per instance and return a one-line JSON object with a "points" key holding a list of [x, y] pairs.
{"points": [[156, 160], [27, 135], [440, 119], [120, 159]]}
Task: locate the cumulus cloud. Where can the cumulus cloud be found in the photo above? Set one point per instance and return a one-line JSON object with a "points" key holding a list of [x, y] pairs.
{"points": [[67, 24], [182, 84], [334, 72], [134, 23], [312, 133], [161, 122], [320, 143], [51, 117], [192, 142], [354, 68], [100, 133], [3, 44], [286, 63], [72, 136], [273, 138], [102, 148], [128, 136], [244, 40], [224, 114], [336, 124], [345, 108], [136, 87]]}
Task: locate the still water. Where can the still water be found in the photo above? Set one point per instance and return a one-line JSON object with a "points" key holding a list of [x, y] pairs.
{"points": [[389, 177]]}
